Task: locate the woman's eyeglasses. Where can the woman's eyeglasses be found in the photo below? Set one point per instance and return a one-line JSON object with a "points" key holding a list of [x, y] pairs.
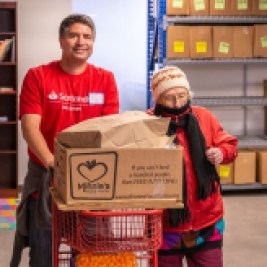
{"points": [[177, 97]]}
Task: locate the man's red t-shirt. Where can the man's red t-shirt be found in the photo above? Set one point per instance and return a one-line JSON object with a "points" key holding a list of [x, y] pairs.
{"points": [[62, 99]]}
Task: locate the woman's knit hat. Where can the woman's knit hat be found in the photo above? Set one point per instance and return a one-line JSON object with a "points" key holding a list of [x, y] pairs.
{"points": [[167, 78]]}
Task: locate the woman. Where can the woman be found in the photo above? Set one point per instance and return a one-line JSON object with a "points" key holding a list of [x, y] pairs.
{"points": [[196, 231]]}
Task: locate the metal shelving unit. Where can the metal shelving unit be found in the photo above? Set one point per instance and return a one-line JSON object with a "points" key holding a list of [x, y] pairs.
{"points": [[172, 20], [252, 142], [230, 101], [151, 43], [232, 188], [161, 21], [239, 61]]}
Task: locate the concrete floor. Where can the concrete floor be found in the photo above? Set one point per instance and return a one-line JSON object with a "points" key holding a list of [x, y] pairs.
{"points": [[245, 239]]}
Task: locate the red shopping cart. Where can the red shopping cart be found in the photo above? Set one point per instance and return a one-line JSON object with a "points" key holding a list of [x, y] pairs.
{"points": [[77, 231]]}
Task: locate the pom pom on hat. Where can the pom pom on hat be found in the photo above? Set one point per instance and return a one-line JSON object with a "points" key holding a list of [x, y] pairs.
{"points": [[167, 78]]}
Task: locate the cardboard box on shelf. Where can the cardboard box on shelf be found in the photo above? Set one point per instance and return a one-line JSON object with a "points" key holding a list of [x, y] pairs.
{"points": [[223, 41], [220, 7], [118, 161], [226, 173], [243, 41], [262, 166], [245, 167], [177, 7], [259, 7], [241, 8], [199, 7], [178, 42], [260, 40], [200, 41]]}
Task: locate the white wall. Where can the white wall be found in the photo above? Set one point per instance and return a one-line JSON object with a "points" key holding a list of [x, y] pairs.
{"points": [[38, 23], [120, 45]]}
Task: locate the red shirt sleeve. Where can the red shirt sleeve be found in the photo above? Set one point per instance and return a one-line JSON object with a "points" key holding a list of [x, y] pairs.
{"points": [[111, 105], [223, 140], [30, 97]]}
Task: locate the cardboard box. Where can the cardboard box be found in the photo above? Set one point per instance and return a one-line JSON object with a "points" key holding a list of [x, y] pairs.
{"points": [[243, 41], [245, 167], [223, 41], [199, 7], [241, 8], [260, 40], [259, 7], [118, 178], [226, 173], [262, 166], [177, 7], [178, 45], [118, 161], [220, 7], [201, 41]]}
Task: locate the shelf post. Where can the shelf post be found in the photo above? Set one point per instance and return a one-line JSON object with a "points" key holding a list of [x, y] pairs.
{"points": [[265, 108]]}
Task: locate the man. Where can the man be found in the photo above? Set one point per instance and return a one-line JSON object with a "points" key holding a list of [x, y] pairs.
{"points": [[196, 231], [54, 97]]}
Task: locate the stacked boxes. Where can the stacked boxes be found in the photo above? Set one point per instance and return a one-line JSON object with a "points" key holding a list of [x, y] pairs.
{"points": [[243, 41], [260, 41], [177, 7], [248, 165], [259, 7], [220, 7], [208, 41], [216, 41], [262, 166], [223, 42], [200, 41], [216, 7], [241, 8], [226, 173], [178, 42], [199, 8], [245, 167]]}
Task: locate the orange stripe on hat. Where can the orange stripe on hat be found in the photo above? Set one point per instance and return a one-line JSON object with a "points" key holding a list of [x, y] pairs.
{"points": [[167, 78]]}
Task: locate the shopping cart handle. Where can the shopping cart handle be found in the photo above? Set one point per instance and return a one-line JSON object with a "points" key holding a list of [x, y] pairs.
{"points": [[121, 212]]}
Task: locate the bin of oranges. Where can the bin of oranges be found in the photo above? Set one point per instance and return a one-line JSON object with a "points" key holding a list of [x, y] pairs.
{"points": [[123, 259]]}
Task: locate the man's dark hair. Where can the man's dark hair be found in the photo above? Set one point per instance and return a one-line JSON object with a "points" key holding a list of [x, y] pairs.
{"points": [[76, 18]]}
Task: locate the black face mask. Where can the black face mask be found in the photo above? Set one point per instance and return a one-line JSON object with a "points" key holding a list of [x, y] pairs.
{"points": [[161, 110]]}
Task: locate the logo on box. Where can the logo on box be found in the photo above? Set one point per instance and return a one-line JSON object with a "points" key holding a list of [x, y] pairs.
{"points": [[93, 175]]}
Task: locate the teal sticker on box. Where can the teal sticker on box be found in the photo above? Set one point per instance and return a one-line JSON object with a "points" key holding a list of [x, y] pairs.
{"points": [[264, 41], [242, 4], [263, 5], [199, 5], [224, 48], [219, 4]]}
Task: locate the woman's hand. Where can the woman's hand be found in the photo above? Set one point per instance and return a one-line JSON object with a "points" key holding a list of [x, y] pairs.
{"points": [[214, 155]]}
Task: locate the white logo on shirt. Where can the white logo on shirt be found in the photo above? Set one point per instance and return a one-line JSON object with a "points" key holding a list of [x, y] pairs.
{"points": [[67, 98], [53, 96], [75, 102]]}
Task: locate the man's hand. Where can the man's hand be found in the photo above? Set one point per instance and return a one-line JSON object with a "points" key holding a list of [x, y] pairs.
{"points": [[214, 155], [30, 124]]}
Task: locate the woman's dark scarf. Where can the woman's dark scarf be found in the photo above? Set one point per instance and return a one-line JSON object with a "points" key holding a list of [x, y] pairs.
{"points": [[205, 171]]}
